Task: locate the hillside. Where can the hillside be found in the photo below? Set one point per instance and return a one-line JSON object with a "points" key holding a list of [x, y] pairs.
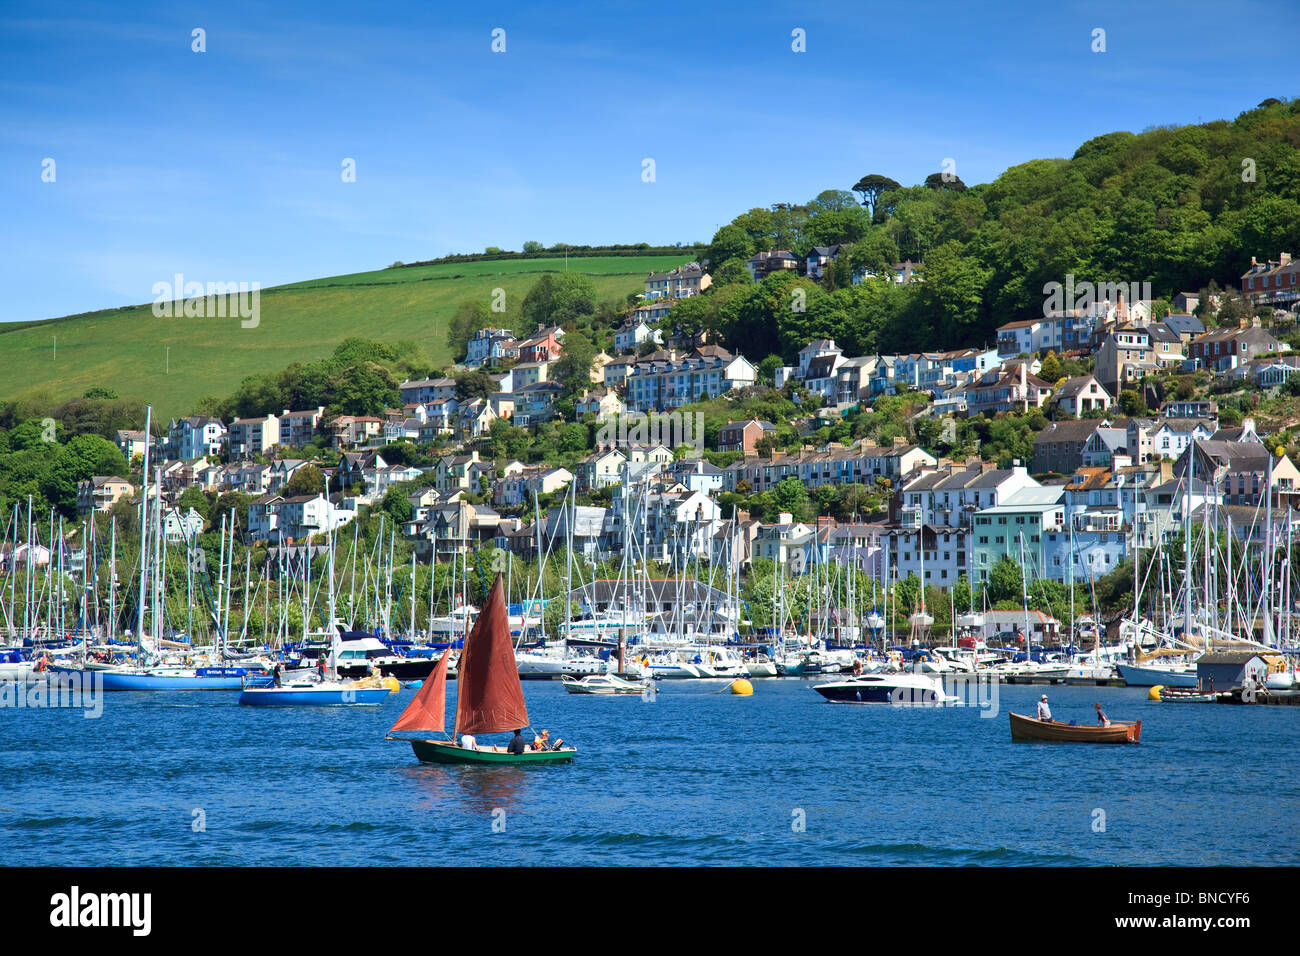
{"points": [[126, 349], [1175, 207]]}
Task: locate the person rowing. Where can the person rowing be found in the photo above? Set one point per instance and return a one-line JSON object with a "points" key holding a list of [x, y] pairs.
{"points": [[1102, 719]]}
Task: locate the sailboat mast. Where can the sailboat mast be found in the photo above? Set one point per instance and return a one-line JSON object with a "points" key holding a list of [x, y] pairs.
{"points": [[144, 528], [112, 578]]}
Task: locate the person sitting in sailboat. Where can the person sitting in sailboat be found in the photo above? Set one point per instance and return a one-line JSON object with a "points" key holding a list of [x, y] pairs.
{"points": [[543, 742]]}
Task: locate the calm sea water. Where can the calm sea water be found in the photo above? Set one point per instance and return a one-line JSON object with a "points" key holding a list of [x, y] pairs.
{"points": [[694, 777]]}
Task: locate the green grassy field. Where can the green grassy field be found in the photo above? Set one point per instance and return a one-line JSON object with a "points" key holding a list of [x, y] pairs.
{"points": [[126, 349]]}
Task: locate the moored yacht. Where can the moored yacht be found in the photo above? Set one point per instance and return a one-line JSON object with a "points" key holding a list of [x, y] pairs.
{"points": [[885, 688]]}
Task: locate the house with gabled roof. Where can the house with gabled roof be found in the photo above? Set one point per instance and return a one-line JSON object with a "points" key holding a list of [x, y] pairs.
{"points": [[427, 389], [678, 283], [1080, 395], [544, 345], [743, 436]]}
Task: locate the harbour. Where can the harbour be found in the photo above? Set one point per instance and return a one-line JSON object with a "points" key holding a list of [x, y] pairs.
{"points": [[693, 774]]}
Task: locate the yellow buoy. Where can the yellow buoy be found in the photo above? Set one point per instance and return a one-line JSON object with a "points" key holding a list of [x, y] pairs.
{"points": [[392, 683], [1154, 692], [742, 688]]}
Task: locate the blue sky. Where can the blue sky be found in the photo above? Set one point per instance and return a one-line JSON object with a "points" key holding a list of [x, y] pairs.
{"points": [[225, 165]]}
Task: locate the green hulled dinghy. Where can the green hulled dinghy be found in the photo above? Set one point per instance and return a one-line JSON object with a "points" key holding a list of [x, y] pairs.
{"points": [[489, 698]]}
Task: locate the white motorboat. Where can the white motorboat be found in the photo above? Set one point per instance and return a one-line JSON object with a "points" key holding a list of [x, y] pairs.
{"points": [[604, 684], [886, 688], [554, 664], [697, 661]]}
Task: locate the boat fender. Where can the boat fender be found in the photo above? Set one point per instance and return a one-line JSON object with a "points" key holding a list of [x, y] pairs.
{"points": [[1154, 692]]}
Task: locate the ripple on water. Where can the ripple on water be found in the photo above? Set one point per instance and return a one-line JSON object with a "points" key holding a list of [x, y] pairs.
{"points": [[695, 777]]}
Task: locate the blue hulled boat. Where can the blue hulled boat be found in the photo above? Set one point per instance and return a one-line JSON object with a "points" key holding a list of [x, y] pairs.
{"points": [[262, 692], [160, 678]]}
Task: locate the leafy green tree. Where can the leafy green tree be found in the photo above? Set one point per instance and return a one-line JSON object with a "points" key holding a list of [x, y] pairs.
{"points": [[1005, 582], [468, 318], [790, 494], [81, 458], [474, 383], [1131, 403], [193, 497], [871, 186], [397, 505], [307, 480], [557, 299]]}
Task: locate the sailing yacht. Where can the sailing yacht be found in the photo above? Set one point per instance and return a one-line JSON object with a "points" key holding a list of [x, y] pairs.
{"points": [[151, 670], [321, 691], [489, 699]]}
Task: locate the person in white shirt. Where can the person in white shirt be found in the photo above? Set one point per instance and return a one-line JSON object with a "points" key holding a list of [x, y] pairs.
{"points": [[469, 743], [1044, 712]]}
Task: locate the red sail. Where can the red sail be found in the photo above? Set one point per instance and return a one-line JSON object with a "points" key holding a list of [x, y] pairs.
{"points": [[426, 713], [489, 697]]}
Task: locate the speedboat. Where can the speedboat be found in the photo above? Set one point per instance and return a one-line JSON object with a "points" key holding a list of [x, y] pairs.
{"points": [[886, 688], [604, 684]]}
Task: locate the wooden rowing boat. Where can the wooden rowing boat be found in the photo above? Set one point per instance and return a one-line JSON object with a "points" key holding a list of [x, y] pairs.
{"points": [[1119, 731]]}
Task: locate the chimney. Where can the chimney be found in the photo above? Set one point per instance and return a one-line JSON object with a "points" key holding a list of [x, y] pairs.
{"points": [[899, 441]]}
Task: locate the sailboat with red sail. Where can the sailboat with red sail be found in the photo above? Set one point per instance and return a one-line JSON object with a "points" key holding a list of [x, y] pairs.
{"points": [[489, 699]]}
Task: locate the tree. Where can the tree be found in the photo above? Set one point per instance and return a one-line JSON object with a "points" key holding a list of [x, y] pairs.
{"points": [[791, 495], [82, 457], [831, 200], [1051, 368], [307, 480], [397, 505], [732, 272], [1131, 403], [871, 186], [559, 298], [945, 181], [468, 319], [573, 370], [473, 384], [1005, 582], [193, 497], [533, 246], [729, 242], [363, 389]]}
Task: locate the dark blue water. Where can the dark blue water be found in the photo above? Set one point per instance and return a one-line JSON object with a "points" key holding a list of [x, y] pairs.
{"points": [[693, 777]]}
